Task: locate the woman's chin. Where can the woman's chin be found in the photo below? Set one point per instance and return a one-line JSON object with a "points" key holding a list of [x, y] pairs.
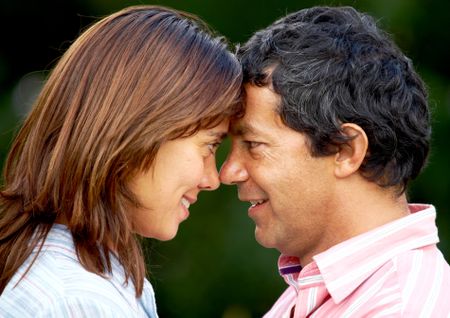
{"points": [[160, 236], [166, 237]]}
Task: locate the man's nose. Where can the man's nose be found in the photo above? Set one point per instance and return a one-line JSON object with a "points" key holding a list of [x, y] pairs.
{"points": [[233, 170]]}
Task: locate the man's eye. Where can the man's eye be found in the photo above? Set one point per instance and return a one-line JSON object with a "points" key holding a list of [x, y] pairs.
{"points": [[251, 144]]}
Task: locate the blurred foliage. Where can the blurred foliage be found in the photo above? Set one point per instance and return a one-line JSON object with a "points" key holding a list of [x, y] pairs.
{"points": [[214, 267]]}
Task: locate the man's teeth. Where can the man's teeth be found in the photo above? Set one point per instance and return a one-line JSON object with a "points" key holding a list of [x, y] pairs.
{"points": [[185, 203], [255, 203]]}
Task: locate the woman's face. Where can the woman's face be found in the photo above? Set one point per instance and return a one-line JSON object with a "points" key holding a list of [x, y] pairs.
{"points": [[182, 168]]}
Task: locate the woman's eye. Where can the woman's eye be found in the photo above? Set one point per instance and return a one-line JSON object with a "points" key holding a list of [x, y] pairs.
{"points": [[213, 147]]}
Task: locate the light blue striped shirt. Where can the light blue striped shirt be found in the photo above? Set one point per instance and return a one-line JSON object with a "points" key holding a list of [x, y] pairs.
{"points": [[57, 285]]}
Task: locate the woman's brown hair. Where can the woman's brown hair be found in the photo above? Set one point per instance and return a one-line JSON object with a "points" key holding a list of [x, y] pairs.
{"points": [[133, 80]]}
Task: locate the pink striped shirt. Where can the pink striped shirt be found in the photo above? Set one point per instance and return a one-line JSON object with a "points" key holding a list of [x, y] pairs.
{"points": [[394, 270]]}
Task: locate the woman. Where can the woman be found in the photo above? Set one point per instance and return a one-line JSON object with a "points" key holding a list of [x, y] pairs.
{"points": [[120, 142]]}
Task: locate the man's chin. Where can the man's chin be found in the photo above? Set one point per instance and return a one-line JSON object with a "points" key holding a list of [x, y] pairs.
{"points": [[263, 239]]}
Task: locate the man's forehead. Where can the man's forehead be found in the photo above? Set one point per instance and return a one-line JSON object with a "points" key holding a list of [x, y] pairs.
{"points": [[256, 125], [245, 127], [261, 113]]}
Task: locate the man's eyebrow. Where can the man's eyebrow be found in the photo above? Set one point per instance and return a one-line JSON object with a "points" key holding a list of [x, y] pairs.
{"points": [[242, 129]]}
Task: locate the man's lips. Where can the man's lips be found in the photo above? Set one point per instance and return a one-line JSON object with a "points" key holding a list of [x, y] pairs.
{"points": [[257, 202], [256, 206]]}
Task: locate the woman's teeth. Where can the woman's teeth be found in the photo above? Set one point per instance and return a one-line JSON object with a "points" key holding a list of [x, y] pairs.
{"points": [[185, 203]]}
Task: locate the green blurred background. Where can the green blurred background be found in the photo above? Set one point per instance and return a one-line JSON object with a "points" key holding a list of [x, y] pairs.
{"points": [[214, 267]]}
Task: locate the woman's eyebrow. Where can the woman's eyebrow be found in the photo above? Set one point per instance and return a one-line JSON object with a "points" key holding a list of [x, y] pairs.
{"points": [[218, 134]]}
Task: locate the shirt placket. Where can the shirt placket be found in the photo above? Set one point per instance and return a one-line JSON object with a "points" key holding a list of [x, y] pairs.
{"points": [[311, 294]]}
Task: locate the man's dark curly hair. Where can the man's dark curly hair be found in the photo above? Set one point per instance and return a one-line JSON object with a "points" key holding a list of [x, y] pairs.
{"points": [[333, 65]]}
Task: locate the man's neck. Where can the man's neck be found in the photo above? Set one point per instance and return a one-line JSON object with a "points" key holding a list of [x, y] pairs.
{"points": [[358, 208]]}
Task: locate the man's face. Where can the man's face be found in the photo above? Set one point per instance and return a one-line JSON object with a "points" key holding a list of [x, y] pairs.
{"points": [[290, 191]]}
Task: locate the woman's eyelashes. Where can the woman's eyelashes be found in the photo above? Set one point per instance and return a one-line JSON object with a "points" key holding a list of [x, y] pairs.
{"points": [[213, 146]]}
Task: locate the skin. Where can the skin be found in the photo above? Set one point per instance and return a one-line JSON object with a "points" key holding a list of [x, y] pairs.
{"points": [[182, 168], [308, 203]]}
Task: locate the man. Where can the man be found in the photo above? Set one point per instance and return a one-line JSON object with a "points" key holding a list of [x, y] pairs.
{"points": [[336, 125]]}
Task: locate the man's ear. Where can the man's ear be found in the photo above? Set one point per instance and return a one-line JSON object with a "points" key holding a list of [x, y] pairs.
{"points": [[351, 154]]}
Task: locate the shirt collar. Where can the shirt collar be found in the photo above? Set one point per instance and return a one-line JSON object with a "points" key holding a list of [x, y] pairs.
{"points": [[346, 265]]}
